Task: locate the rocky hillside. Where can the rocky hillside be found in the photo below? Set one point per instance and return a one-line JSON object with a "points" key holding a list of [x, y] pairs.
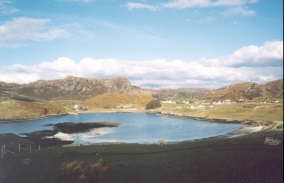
{"points": [[178, 94], [76, 88], [247, 91], [69, 88], [115, 101]]}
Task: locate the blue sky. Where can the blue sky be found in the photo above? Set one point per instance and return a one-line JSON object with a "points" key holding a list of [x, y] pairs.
{"points": [[166, 43]]}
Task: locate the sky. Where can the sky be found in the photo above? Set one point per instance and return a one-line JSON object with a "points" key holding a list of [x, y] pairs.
{"points": [[157, 43]]}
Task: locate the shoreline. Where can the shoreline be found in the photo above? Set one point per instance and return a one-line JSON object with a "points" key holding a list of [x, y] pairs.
{"points": [[251, 127], [20, 119], [240, 132], [56, 141], [175, 114]]}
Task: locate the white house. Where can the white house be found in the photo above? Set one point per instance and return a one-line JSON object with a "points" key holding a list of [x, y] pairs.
{"points": [[168, 102], [219, 102], [76, 106], [227, 101]]}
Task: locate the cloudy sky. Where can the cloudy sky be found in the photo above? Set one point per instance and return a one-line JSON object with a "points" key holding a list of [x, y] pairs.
{"points": [[161, 43]]}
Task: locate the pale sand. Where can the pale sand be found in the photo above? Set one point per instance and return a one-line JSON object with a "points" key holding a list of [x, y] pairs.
{"points": [[246, 131], [73, 136], [251, 129]]}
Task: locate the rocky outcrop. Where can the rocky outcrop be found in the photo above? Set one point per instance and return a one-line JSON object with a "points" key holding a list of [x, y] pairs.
{"points": [[271, 141]]}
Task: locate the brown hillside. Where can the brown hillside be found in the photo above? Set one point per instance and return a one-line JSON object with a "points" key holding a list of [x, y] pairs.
{"points": [[177, 94], [114, 100], [43, 108], [76, 88], [69, 88], [15, 109], [247, 91], [274, 88]]}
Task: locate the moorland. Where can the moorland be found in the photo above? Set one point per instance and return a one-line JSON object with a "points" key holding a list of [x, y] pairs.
{"points": [[241, 159]]}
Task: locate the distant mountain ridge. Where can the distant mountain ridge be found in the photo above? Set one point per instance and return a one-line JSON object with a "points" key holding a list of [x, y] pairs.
{"points": [[77, 88]]}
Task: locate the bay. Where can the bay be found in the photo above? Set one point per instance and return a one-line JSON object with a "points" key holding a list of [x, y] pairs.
{"points": [[134, 128]]}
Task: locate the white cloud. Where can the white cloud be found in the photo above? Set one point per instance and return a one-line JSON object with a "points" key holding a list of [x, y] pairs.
{"points": [[5, 8], [205, 3], [14, 33], [250, 63], [270, 54], [84, 1], [209, 19], [187, 3], [238, 11], [131, 6], [231, 2]]}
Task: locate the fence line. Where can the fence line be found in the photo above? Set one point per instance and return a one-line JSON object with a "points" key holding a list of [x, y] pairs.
{"points": [[15, 150]]}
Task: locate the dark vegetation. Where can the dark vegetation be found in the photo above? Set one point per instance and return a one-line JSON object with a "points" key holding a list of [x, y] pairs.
{"points": [[32, 140], [16, 96], [71, 127], [153, 104], [243, 159]]}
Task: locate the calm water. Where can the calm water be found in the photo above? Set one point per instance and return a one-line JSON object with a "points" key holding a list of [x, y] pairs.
{"points": [[134, 128]]}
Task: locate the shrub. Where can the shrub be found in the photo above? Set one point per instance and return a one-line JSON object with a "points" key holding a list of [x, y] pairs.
{"points": [[153, 104], [81, 172]]}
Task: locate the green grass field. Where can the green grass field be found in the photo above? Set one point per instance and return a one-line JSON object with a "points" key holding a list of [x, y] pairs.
{"points": [[243, 159]]}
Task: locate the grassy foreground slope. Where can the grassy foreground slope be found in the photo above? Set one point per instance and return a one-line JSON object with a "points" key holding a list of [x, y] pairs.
{"points": [[243, 159]]}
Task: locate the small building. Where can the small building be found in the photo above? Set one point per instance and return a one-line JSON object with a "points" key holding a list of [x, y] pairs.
{"points": [[200, 106], [219, 102], [227, 101], [76, 107], [168, 102]]}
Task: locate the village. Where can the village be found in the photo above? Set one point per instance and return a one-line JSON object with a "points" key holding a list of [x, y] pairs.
{"points": [[210, 105]]}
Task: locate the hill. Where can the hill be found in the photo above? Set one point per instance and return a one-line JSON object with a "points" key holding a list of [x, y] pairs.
{"points": [[177, 94], [69, 88], [114, 100], [56, 97], [247, 91], [21, 110], [77, 88]]}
